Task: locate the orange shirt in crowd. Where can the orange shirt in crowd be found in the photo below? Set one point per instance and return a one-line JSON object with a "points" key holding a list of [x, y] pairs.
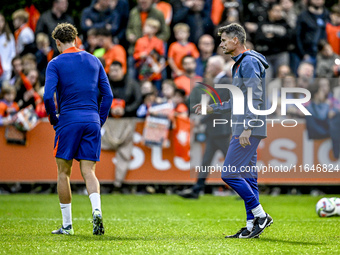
{"points": [[6, 109], [185, 83], [29, 86], [146, 44], [143, 17], [333, 37], [181, 108], [166, 9], [116, 53], [217, 11], [177, 51]]}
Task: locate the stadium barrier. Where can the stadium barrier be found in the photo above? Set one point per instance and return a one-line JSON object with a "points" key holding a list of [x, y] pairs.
{"points": [[289, 147]]}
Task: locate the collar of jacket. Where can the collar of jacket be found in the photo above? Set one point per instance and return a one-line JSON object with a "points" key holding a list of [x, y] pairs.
{"points": [[239, 57]]}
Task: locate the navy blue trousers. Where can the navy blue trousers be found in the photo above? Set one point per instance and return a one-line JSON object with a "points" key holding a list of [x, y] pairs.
{"points": [[239, 172]]}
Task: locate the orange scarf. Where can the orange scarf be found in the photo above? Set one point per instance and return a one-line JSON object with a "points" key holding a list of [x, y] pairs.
{"points": [[18, 31]]}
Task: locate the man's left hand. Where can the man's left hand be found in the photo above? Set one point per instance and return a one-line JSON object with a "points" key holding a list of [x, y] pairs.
{"points": [[244, 138]]}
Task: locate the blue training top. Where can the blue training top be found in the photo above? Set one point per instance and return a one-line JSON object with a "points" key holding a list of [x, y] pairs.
{"points": [[76, 76]]}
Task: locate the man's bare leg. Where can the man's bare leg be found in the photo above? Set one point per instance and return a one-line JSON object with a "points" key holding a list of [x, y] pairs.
{"points": [[65, 196], [88, 168]]}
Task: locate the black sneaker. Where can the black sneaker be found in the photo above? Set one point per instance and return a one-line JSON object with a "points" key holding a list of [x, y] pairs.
{"points": [[188, 193], [242, 233], [260, 224]]}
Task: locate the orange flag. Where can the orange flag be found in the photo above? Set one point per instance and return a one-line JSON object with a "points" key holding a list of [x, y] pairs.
{"points": [[34, 16], [182, 138]]}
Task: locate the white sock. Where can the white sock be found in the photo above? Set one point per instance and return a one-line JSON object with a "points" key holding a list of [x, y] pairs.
{"points": [[95, 201], [67, 214], [250, 225], [258, 211]]}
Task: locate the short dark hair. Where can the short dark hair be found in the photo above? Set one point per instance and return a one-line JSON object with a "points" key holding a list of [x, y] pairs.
{"points": [[117, 63], [181, 92], [104, 32], [65, 32], [234, 30], [17, 57], [321, 44]]}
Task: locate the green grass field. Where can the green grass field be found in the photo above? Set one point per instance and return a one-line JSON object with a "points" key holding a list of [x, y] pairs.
{"points": [[160, 224]]}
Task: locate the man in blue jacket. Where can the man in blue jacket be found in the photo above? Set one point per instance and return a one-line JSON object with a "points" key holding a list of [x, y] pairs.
{"points": [[239, 169]]}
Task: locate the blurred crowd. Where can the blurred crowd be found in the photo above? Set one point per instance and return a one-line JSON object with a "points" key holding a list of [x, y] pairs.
{"points": [[157, 52]]}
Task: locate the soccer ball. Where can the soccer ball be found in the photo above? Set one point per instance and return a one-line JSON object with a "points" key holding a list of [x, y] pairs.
{"points": [[327, 207]]}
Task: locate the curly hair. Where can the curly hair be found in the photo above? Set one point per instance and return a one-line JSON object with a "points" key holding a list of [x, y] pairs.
{"points": [[65, 32]]}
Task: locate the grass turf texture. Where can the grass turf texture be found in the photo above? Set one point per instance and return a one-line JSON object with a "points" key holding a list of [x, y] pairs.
{"points": [[159, 224]]}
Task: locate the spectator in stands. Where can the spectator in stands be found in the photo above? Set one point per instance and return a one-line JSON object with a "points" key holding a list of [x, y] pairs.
{"points": [[305, 75], [124, 10], [289, 81], [113, 52], [149, 95], [27, 86], [51, 18], [118, 132], [181, 48], [206, 48], [126, 89], [8, 107], [91, 43], [120, 8], [282, 71], [180, 108], [7, 50], [166, 9], [232, 13], [317, 123], [255, 12], [23, 33], [272, 38], [326, 63], [217, 138], [17, 69], [29, 62], [101, 16], [193, 14], [44, 52], [168, 91], [333, 29], [149, 53], [134, 31], [188, 80], [137, 18], [310, 29], [289, 13]]}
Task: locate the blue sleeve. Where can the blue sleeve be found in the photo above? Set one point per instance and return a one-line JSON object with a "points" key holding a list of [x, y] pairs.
{"points": [[251, 72], [224, 108], [51, 83], [106, 93]]}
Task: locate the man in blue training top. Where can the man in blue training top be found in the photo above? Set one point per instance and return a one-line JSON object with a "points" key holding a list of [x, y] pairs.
{"points": [[76, 76], [247, 129]]}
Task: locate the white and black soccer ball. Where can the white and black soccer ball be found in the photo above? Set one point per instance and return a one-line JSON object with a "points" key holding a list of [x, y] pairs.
{"points": [[327, 207]]}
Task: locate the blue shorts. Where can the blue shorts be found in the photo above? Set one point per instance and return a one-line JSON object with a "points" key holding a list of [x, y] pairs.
{"points": [[241, 162], [78, 141]]}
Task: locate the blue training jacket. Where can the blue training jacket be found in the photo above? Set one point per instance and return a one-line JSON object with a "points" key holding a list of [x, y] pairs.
{"points": [[249, 70], [76, 76]]}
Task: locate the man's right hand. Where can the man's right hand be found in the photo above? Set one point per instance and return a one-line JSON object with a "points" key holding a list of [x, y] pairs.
{"points": [[198, 109]]}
